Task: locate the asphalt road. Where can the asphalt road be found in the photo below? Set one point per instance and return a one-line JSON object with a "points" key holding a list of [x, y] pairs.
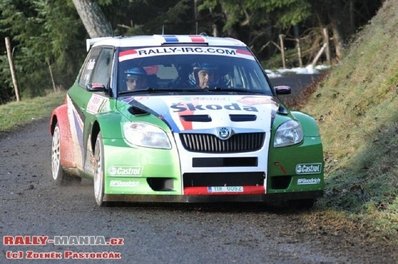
{"points": [[296, 81], [31, 205]]}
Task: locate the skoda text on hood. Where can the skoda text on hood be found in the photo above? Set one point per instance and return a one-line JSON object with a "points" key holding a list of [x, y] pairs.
{"points": [[219, 109]]}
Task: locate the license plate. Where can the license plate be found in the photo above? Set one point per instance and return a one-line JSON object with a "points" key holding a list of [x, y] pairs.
{"points": [[225, 189]]}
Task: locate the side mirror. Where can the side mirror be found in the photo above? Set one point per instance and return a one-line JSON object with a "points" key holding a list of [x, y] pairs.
{"points": [[95, 87], [282, 89]]}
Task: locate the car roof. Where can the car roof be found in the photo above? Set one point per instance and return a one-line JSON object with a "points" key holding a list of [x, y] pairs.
{"points": [[159, 40]]}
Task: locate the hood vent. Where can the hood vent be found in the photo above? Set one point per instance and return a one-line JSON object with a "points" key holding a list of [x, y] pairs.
{"points": [[134, 110], [196, 118], [242, 118]]}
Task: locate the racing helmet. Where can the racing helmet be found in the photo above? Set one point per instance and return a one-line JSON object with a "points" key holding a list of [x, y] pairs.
{"points": [[135, 72], [211, 70], [204, 66]]}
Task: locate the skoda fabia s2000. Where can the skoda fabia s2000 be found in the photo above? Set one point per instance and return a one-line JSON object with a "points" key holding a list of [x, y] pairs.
{"points": [[179, 118]]}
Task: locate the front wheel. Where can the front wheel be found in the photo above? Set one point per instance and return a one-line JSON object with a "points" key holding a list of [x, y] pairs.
{"points": [[99, 171]]}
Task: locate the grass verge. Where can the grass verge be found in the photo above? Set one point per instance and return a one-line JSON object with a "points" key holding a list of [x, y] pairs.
{"points": [[356, 107], [15, 114]]}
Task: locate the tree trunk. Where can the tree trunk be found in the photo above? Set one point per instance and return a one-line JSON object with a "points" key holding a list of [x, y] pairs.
{"points": [[337, 40], [12, 68], [93, 18]]}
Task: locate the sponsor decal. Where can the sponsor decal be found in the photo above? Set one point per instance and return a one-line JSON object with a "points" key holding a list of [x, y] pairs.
{"points": [[181, 107], [223, 189], [95, 103], [159, 51], [310, 181], [170, 109], [257, 100], [90, 64], [116, 183], [125, 171], [309, 168]]}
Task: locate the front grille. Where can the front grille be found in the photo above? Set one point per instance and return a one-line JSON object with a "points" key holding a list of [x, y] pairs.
{"points": [[209, 143], [224, 179], [225, 162]]}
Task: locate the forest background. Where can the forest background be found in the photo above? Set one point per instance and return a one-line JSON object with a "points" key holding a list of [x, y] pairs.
{"points": [[48, 36]]}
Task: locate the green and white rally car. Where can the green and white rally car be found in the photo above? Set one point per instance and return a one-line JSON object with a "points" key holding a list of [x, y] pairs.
{"points": [[181, 118]]}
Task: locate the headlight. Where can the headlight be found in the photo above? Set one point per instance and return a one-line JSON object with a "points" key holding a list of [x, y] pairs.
{"points": [[145, 135], [289, 133]]}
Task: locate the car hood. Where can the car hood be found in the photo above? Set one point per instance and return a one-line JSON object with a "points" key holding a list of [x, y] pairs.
{"points": [[187, 113]]}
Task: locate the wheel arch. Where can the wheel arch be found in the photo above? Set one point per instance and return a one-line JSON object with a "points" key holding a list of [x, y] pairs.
{"points": [[108, 126], [94, 133], [310, 126], [58, 116]]}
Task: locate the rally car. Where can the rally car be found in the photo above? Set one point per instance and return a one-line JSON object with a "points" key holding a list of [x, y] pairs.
{"points": [[183, 118]]}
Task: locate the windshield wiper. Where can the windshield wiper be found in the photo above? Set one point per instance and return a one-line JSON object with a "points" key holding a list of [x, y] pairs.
{"points": [[225, 89], [136, 91], [147, 90], [160, 90]]}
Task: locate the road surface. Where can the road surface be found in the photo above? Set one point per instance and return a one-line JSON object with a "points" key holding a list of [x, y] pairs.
{"points": [[31, 206]]}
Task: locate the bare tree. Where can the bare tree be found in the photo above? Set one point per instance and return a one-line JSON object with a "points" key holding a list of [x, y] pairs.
{"points": [[93, 18]]}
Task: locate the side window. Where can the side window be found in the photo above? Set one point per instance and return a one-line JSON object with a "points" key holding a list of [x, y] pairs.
{"points": [[88, 67], [103, 67], [237, 80]]}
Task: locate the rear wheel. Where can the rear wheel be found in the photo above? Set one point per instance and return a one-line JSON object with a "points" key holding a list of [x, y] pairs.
{"points": [[99, 171], [60, 177]]}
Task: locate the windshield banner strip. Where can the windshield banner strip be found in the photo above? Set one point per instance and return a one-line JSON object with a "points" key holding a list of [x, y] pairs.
{"points": [[161, 51]]}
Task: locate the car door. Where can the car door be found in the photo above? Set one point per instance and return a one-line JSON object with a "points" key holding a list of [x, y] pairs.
{"points": [[87, 95]]}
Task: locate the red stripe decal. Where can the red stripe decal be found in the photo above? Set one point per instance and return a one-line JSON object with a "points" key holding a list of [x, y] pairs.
{"points": [[127, 52], [247, 190], [195, 38], [187, 125], [243, 51]]}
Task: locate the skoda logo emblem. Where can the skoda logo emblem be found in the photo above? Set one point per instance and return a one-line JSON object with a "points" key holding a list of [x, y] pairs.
{"points": [[224, 133]]}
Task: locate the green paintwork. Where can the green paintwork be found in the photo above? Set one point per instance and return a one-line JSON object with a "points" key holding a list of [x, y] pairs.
{"points": [[134, 170], [283, 161]]}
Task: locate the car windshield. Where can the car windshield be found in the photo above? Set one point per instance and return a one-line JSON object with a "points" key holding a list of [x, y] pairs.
{"points": [[190, 69]]}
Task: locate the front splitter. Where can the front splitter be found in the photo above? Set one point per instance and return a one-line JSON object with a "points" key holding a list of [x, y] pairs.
{"points": [[213, 198]]}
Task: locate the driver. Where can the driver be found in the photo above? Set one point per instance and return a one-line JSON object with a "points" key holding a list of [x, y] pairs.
{"points": [[136, 79], [203, 75]]}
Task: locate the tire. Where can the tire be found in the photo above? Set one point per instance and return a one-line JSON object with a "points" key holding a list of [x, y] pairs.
{"points": [[99, 171], [59, 176]]}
